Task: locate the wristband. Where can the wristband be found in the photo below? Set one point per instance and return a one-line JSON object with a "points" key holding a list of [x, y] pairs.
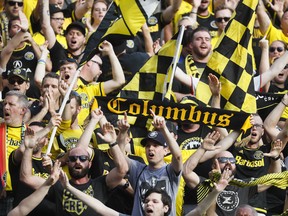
{"points": [[113, 144], [277, 158], [41, 61], [192, 12]]}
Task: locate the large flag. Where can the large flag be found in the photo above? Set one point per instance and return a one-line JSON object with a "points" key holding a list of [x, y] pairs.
{"points": [[232, 62], [153, 78], [122, 21]]}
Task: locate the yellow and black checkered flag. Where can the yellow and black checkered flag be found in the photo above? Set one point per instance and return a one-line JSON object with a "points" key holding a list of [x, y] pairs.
{"points": [[122, 21], [149, 82], [232, 62]]}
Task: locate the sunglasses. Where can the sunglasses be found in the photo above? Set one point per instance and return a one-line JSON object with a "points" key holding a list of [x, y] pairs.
{"points": [[257, 125], [13, 81], [82, 158], [219, 19], [13, 3], [279, 49], [226, 159]]}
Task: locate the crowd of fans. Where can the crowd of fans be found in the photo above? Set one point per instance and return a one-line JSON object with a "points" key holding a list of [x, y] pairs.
{"points": [[93, 165]]}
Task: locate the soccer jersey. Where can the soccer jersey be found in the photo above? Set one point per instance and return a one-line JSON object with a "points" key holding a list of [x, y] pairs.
{"points": [[88, 94]]}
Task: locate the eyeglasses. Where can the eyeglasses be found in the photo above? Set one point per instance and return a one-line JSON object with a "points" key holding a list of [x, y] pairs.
{"points": [[257, 125], [13, 3], [226, 159], [219, 19], [279, 49], [58, 19], [82, 158], [13, 81], [96, 62]]}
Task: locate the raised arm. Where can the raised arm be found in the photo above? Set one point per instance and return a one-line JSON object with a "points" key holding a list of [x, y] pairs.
{"points": [[92, 202], [263, 18], [215, 88], [40, 70], [169, 13], [224, 145], [30, 202], [270, 123], [84, 140], [160, 124], [45, 23], [30, 142], [204, 205], [275, 69], [123, 127], [191, 178], [81, 8], [118, 78], [116, 175]]}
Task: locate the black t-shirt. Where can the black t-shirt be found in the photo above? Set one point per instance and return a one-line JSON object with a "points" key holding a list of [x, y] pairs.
{"points": [[67, 204], [119, 199], [232, 197], [24, 58], [21, 190]]}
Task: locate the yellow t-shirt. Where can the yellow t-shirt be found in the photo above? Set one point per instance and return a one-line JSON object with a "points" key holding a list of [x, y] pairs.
{"points": [[13, 141], [87, 94], [40, 39]]}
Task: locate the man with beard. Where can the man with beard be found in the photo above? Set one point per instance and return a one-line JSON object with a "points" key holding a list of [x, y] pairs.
{"points": [[79, 164], [194, 57]]}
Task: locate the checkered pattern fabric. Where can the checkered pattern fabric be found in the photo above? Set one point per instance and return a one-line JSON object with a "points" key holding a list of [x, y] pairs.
{"points": [[232, 62], [125, 18], [152, 79]]}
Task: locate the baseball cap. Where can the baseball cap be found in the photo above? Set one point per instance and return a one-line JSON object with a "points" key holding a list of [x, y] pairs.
{"points": [[76, 25], [53, 8], [155, 136], [189, 100], [20, 72]]}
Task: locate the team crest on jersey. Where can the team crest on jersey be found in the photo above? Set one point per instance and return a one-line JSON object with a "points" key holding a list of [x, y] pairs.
{"points": [[152, 20], [29, 56], [130, 44], [228, 200], [213, 24], [258, 155]]}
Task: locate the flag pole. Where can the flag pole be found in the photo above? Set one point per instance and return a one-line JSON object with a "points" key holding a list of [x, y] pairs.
{"points": [[66, 98], [175, 60]]}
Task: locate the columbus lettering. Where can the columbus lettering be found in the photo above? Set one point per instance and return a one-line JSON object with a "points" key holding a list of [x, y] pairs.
{"points": [[177, 112]]}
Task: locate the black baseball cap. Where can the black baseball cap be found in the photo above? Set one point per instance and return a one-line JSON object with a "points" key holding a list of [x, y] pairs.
{"points": [[76, 25], [19, 72], [154, 136]]}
